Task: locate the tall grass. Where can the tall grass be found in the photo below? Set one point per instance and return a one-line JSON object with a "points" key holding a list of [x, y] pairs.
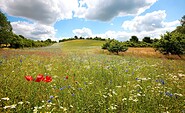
{"points": [[88, 82]]}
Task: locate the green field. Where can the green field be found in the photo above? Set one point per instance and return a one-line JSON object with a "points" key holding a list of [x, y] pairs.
{"points": [[84, 80]]}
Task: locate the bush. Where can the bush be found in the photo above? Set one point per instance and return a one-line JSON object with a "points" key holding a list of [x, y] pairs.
{"points": [[114, 46], [171, 43]]}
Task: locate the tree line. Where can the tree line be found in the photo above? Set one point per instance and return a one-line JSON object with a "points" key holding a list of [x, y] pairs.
{"points": [[9, 39], [82, 38]]}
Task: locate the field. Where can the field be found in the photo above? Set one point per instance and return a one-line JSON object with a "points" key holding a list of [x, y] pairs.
{"points": [[88, 79]]}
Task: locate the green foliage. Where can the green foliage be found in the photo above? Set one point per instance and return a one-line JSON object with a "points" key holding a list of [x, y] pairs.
{"points": [[147, 40], [17, 41], [114, 46], [134, 39], [5, 30], [171, 43], [183, 21], [4, 23], [174, 42], [107, 44]]}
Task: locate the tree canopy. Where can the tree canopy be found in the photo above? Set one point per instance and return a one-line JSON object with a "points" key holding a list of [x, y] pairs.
{"points": [[5, 30], [173, 42]]}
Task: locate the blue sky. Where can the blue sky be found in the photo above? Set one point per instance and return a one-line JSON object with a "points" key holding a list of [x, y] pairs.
{"points": [[119, 19]]}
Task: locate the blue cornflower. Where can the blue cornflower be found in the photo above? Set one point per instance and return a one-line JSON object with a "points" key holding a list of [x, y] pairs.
{"points": [[169, 94], [162, 82], [49, 101]]}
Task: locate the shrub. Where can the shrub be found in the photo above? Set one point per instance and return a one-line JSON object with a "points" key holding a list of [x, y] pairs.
{"points": [[114, 46], [171, 43]]}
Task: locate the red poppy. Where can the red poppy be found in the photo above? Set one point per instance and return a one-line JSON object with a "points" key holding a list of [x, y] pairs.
{"points": [[39, 78], [48, 79], [67, 77], [29, 78]]}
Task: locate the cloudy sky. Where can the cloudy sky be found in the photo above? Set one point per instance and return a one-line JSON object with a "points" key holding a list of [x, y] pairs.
{"points": [[119, 19]]}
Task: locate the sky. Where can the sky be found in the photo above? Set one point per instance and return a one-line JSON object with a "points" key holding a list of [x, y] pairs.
{"points": [[118, 19]]}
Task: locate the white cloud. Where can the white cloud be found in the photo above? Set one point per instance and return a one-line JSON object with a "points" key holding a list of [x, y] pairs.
{"points": [[105, 10], [42, 11], [84, 32], [34, 31], [149, 22]]}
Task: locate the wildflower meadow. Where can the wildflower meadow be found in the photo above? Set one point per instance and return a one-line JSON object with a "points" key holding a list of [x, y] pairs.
{"points": [[73, 77]]}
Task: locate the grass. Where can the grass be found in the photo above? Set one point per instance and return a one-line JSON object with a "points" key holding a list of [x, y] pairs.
{"points": [[84, 81]]}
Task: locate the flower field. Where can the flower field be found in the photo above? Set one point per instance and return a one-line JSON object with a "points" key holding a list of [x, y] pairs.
{"points": [[53, 79]]}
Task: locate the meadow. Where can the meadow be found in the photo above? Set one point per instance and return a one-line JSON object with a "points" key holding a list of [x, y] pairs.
{"points": [[88, 79]]}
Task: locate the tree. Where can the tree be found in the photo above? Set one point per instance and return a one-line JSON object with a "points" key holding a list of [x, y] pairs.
{"points": [[107, 44], [114, 46], [147, 40], [134, 39], [5, 30], [75, 37], [183, 21], [171, 43]]}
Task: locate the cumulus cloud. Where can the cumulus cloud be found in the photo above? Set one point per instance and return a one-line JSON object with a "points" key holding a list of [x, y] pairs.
{"points": [[84, 32], [34, 30], [42, 11], [149, 22], [105, 10]]}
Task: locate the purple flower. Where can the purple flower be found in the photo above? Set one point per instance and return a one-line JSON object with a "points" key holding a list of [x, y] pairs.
{"points": [[126, 71], [49, 101], [51, 97], [162, 82], [169, 94]]}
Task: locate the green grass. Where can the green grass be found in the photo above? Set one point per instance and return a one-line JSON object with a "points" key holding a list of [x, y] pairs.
{"points": [[96, 82], [81, 46]]}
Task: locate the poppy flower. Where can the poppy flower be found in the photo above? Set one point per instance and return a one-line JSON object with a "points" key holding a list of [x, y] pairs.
{"points": [[39, 78], [67, 77], [48, 79], [29, 78]]}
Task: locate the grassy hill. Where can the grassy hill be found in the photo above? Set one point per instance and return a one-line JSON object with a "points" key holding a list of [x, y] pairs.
{"points": [[81, 45]]}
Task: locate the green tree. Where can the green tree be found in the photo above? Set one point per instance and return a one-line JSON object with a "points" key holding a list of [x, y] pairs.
{"points": [[183, 21], [147, 40], [106, 44], [134, 39], [114, 46], [174, 42], [5, 30], [171, 43], [75, 37]]}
